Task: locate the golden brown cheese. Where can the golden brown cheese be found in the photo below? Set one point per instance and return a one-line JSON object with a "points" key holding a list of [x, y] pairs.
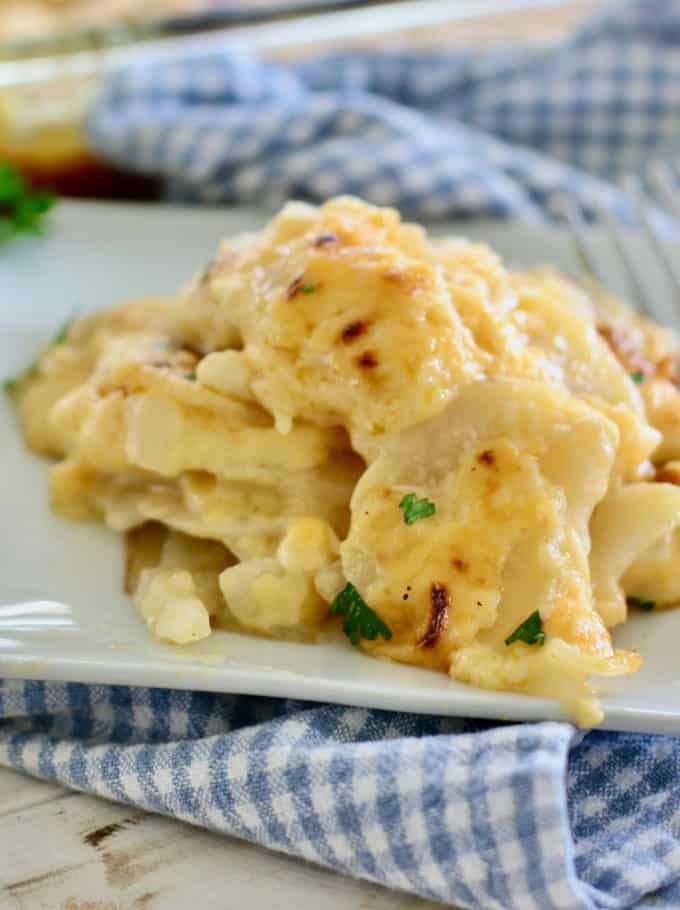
{"points": [[360, 329]]}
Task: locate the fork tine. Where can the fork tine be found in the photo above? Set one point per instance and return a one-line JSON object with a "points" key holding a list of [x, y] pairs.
{"points": [[615, 232], [642, 293], [662, 180], [631, 184], [565, 207]]}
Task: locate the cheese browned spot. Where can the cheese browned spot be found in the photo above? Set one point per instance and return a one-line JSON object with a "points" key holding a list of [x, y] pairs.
{"points": [[294, 287], [487, 458], [325, 239], [439, 615], [367, 360], [353, 330]]}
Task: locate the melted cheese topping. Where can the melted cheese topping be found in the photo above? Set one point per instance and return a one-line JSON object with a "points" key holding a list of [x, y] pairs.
{"points": [[256, 437]]}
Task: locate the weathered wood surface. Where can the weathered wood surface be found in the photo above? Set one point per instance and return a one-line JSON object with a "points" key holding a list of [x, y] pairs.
{"points": [[65, 851]]}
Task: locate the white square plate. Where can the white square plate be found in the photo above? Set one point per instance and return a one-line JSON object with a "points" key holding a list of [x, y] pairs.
{"points": [[92, 256]]}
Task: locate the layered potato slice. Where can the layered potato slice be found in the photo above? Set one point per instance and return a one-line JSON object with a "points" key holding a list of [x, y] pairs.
{"points": [[515, 469], [344, 320], [146, 445]]}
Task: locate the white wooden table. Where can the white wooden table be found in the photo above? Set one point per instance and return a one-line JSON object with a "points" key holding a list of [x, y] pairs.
{"points": [[61, 850]]}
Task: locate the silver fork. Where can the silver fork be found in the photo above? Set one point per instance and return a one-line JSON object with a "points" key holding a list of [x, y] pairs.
{"points": [[659, 300]]}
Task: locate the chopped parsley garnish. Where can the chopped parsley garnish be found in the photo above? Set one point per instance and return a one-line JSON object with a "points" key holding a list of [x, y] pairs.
{"points": [[307, 288], [191, 376], [530, 631], [638, 377], [641, 603], [360, 620], [414, 509], [21, 209], [10, 385], [62, 333]]}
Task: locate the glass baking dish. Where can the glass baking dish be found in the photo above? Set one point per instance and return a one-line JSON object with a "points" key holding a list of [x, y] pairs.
{"points": [[52, 65], [47, 82]]}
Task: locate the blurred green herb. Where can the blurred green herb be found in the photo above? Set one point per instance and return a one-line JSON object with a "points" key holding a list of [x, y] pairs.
{"points": [[638, 377], [62, 332], [22, 210], [641, 603]]}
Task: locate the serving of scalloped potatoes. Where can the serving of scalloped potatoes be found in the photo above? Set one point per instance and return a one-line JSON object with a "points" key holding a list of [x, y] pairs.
{"points": [[343, 422]]}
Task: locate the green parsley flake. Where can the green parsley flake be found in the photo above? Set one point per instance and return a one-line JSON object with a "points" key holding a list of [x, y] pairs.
{"points": [[638, 377], [530, 631], [12, 383], [308, 288], [360, 620], [62, 333], [21, 210], [414, 509], [641, 603], [192, 377]]}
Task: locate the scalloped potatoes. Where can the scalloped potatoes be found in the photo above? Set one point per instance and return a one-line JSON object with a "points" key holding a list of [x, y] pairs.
{"points": [[258, 436]]}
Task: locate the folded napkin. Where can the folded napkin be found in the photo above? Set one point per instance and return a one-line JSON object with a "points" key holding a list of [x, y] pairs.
{"points": [[532, 817], [511, 817]]}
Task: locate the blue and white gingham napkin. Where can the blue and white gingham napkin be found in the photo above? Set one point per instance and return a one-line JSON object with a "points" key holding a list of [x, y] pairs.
{"points": [[496, 133], [522, 817]]}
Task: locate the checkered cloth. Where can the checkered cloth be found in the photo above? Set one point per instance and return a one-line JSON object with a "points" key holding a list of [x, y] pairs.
{"points": [[516, 817], [458, 134]]}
